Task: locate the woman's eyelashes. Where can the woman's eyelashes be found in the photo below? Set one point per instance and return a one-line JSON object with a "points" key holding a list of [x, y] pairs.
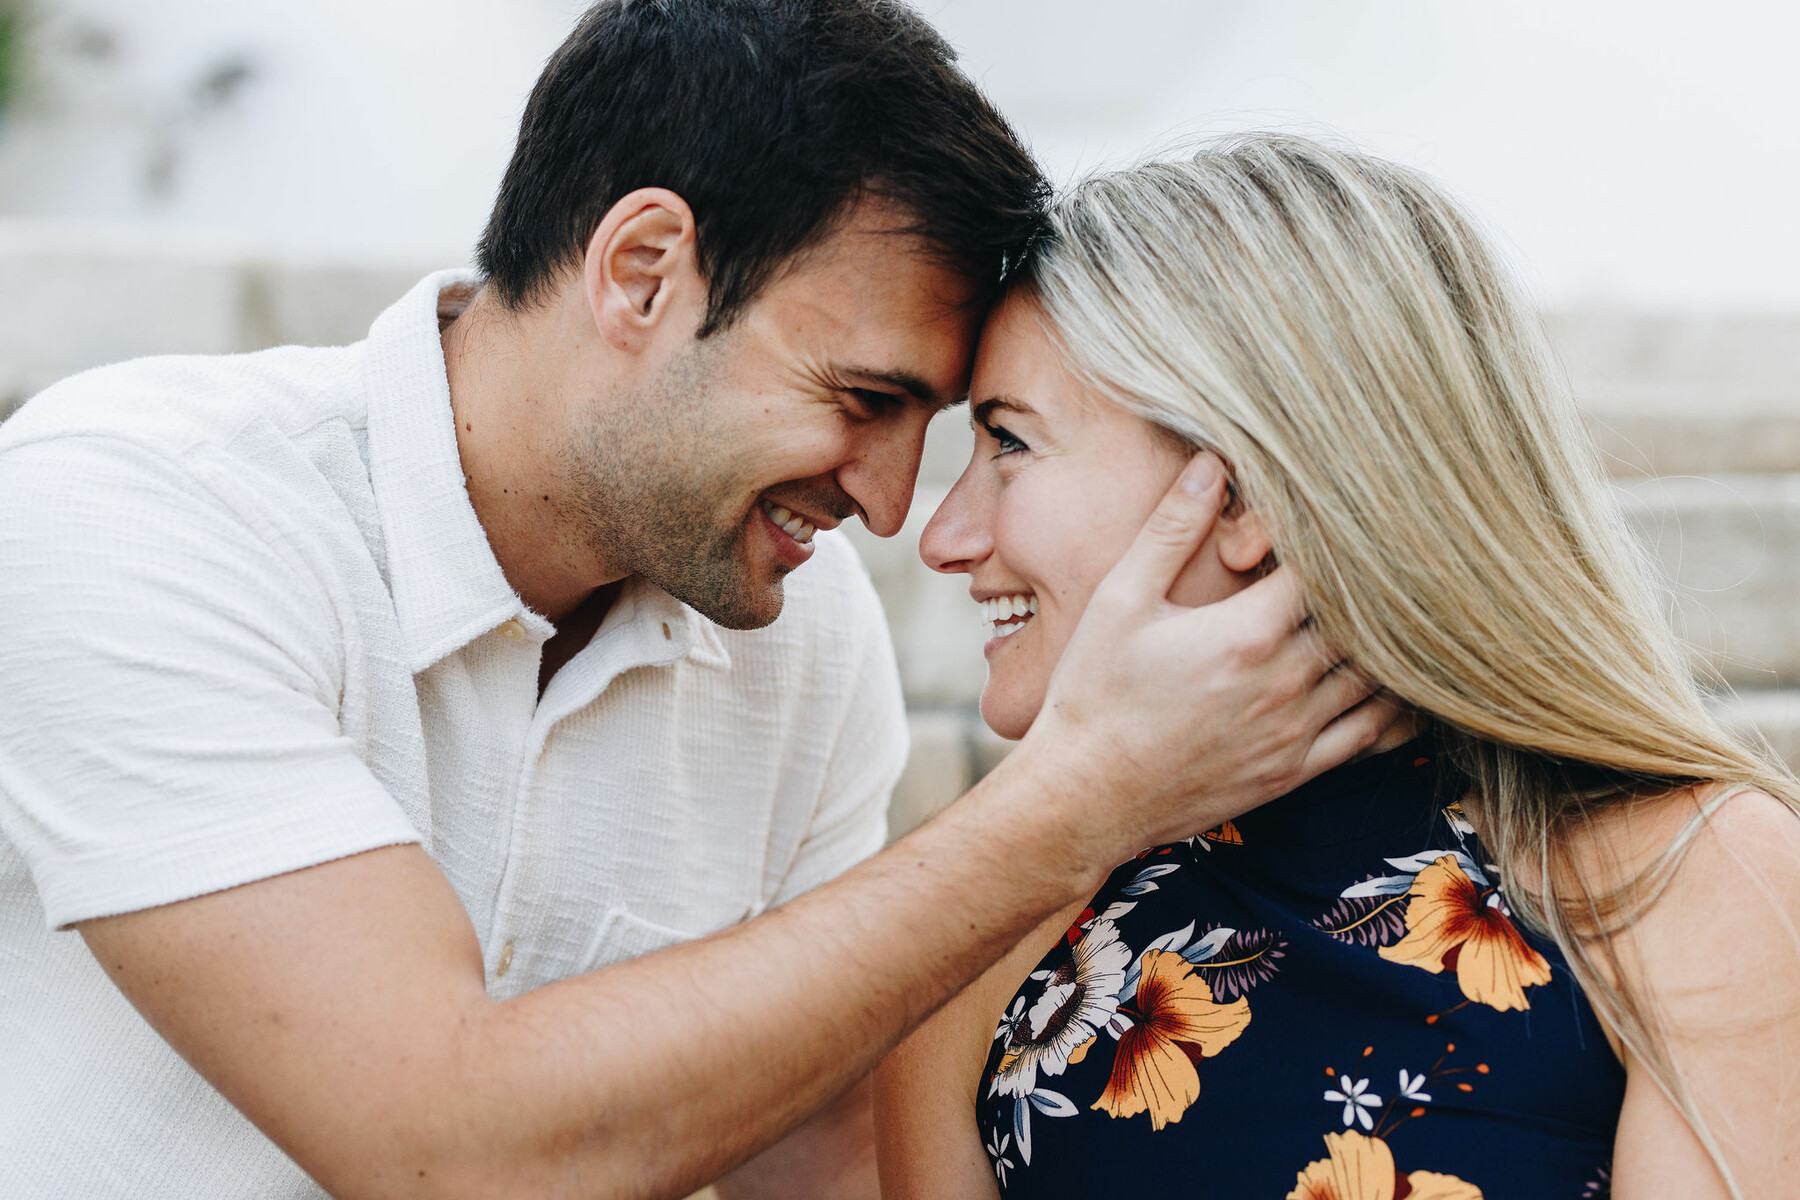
{"points": [[1004, 440]]}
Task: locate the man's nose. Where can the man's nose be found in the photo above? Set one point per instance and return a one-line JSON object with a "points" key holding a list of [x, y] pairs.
{"points": [[882, 475]]}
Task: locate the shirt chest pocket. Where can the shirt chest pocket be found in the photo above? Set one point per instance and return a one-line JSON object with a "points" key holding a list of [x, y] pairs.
{"points": [[622, 935]]}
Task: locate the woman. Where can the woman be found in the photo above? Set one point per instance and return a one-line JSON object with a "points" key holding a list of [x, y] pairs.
{"points": [[1332, 996]]}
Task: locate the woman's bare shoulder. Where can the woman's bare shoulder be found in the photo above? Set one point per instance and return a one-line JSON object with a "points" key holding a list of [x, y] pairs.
{"points": [[1716, 836], [1721, 924]]}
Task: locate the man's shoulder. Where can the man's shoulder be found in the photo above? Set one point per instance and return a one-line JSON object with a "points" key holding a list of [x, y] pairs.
{"points": [[174, 403], [268, 442]]}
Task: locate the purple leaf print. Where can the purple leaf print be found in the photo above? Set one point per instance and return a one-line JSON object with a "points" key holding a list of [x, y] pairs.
{"points": [[1246, 959], [1365, 920]]}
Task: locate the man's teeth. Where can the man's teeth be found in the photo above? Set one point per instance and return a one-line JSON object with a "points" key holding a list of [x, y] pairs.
{"points": [[1006, 615], [788, 523]]}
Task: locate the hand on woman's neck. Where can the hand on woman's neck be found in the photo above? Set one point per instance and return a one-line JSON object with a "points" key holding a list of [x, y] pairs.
{"points": [[1402, 727]]}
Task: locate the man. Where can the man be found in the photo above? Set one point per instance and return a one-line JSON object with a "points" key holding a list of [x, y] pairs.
{"points": [[371, 714]]}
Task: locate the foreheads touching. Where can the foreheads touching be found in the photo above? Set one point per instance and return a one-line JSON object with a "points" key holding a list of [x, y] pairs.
{"points": [[750, 245]]}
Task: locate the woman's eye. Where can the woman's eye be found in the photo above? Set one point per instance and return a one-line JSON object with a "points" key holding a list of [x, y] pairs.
{"points": [[1003, 439]]}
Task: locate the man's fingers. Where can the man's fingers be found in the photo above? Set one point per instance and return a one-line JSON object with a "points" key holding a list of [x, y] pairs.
{"points": [[1352, 733], [1278, 594], [1180, 522], [1337, 692]]}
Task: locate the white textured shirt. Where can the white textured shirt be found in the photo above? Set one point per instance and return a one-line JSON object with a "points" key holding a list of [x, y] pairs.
{"points": [[249, 622]]}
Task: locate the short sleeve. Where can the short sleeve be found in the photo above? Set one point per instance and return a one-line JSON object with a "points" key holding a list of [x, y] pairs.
{"points": [[868, 753], [172, 680]]}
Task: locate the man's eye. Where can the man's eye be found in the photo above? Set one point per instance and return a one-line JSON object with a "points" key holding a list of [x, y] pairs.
{"points": [[1004, 440], [872, 402]]}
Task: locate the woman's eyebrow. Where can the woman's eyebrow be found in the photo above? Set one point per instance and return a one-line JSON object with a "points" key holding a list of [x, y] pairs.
{"points": [[979, 412]]}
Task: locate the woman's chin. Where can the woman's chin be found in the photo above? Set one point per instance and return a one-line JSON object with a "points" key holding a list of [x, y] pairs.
{"points": [[1009, 716]]}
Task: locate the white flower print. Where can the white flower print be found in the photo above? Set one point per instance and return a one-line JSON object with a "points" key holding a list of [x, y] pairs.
{"points": [[1078, 1000], [1413, 1087], [1009, 1024], [1357, 1101], [996, 1147], [1051, 1104]]}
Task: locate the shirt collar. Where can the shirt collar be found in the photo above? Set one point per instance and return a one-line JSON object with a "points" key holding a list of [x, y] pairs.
{"points": [[646, 627], [683, 632], [447, 585]]}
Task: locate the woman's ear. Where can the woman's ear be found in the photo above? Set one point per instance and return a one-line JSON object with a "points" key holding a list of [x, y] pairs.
{"points": [[1242, 544]]}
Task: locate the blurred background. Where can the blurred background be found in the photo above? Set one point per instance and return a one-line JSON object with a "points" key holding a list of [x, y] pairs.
{"points": [[210, 175]]}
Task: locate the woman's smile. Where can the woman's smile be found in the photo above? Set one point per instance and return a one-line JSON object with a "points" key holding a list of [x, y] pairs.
{"points": [[1005, 615]]}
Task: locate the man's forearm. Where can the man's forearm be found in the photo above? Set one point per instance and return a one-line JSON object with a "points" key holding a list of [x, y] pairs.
{"points": [[675, 1067], [343, 1009]]}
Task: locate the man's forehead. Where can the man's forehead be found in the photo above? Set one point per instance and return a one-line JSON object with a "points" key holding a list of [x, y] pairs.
{"points": [[891, 316], [879, 240]]}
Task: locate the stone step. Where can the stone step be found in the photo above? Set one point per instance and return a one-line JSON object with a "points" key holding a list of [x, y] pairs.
{"points": [[1609, 351], [1685, 393], [78, 296], [1730, 546], [1706, 437]]}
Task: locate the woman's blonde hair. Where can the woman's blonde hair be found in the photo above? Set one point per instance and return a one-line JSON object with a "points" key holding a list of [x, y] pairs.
{"points": [[1337, 330]]}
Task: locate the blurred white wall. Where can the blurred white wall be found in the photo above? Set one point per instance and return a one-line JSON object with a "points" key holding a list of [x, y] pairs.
{"points": [[365, 130], [1639, 154]]}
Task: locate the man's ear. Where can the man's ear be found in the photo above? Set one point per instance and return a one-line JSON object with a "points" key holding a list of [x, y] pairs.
{"points": [[1242, 544], [641, 266]]}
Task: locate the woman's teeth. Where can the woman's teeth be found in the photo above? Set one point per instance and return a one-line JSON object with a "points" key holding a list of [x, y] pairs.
{"points": [[788, 523], [1006, 615]]}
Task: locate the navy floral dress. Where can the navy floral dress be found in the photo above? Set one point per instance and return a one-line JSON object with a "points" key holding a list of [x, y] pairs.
{"points": [[1327, 999]]}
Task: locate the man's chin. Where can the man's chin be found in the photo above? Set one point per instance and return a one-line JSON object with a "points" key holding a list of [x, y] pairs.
{"points": [[748, 609]]}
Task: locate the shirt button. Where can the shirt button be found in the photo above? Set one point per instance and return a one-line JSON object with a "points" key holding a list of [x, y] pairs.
{"points": [[666, 634], [511, 630], [505, 963]]}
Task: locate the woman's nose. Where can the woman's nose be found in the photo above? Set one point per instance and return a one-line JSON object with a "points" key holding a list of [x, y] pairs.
{"points": [[959, 534]]}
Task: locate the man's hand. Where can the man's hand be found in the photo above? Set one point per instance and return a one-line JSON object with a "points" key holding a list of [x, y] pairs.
{"points": [[343, 1008], [1162, 720]]}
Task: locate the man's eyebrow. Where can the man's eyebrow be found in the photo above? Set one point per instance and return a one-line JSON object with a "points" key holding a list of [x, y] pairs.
{"points": [[904, 381]]}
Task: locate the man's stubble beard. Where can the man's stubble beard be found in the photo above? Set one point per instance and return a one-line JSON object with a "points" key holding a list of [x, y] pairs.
{"points": [[651, 483]]}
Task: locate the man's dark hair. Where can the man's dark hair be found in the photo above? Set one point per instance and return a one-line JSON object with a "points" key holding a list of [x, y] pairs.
{"points": [[771, 118]]}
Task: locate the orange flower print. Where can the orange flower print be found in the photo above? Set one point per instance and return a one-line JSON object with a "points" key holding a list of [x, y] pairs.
{"points": [[1226, 833], [1176, 1023], [1362, 1168], [1451, 926]]}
